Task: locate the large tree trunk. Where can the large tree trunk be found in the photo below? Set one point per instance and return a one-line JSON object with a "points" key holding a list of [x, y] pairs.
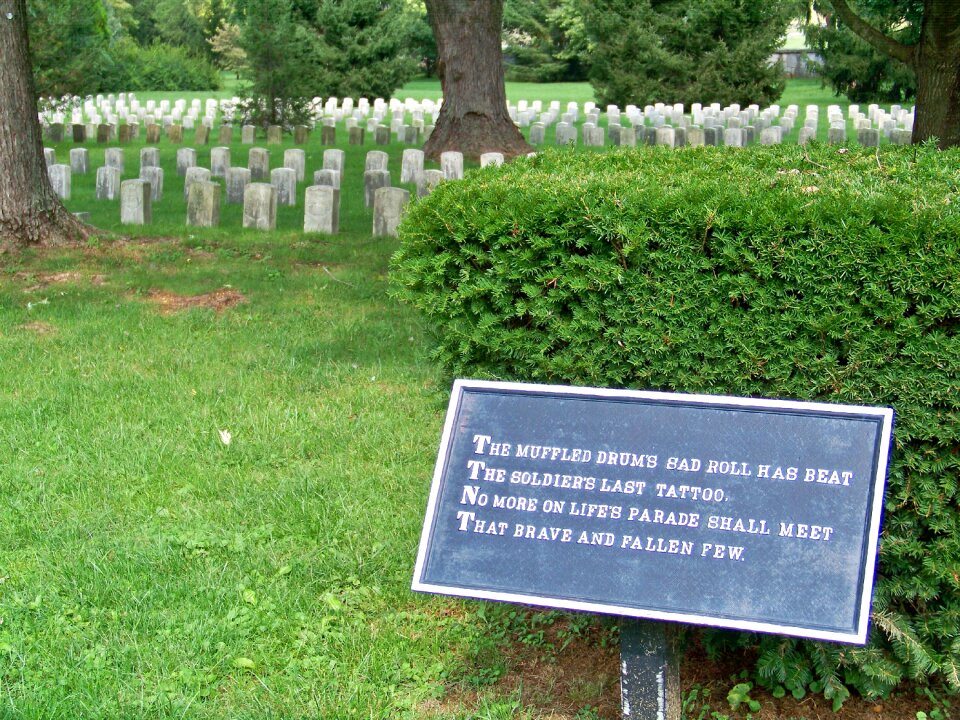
{"points": [[30, 211], [474, 117], [936, 63]]}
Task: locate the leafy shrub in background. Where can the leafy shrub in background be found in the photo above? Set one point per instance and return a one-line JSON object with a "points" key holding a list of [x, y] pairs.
{"points": [[74, 53], [161, 67], [815, 274]]}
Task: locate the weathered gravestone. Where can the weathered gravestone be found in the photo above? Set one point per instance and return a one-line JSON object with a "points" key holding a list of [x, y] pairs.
{"points": [[186, 158], [60, 180], [260, 206], [491, 158], [327, 177], [193, 175], [219, 161], [381, 136], [203, 204], [154, 176], [378, 160], [749, 514], [388, 205], [451, 163], [108, 183], [284, 179], [373, 180], [113, 157], [135, 202], [79, 161], [237, 180], [334, 160], [538, 133], [296, 159], [428, 181], [258, 162], [411, 165], [321, 210], [149, 157]]}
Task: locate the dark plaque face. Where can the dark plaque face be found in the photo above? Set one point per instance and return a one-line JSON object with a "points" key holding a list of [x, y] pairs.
{"points": [[749, 514]]}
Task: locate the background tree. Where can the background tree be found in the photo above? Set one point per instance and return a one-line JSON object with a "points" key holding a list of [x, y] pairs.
{"points": [[299, 49], [225, 45], [70, 45], [88, 46], [30, 212], [544, 41], [929, 44], [686, 50], [364, 47], [474, 117], [282, 63], [858, 70]]}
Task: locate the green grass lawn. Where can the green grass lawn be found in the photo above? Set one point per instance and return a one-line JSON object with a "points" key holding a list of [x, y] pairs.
{"points": [[150, 568]]}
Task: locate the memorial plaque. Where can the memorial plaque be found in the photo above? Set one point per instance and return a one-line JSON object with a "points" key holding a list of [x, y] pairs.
{"points": [[751, 514]]}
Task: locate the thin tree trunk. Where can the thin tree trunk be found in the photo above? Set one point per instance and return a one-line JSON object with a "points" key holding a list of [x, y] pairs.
{"points": [[30, 211], [474, 117]]}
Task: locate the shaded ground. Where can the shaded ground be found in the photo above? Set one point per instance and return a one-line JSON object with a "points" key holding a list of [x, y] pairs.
{"points": [[581, 681]]}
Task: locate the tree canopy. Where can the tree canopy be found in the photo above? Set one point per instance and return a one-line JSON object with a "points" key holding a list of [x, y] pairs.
{"points": [[544, 41], [686, 50]]}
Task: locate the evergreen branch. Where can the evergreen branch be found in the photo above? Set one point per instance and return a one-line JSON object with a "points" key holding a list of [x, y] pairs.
{"points": [[881, 41], [902, 636]]}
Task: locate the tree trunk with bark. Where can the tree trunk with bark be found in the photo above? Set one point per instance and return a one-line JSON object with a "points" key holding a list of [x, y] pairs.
{"points": [[30, 211], [474, 117], [935, 61]]}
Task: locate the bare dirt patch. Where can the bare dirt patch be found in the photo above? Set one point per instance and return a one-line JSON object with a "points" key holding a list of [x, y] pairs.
{"points": [[39, 328], [218, 300], [582, 679]]}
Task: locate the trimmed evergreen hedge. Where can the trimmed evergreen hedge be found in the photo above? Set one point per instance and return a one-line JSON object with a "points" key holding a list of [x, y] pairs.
{"points": [[811, 273]]}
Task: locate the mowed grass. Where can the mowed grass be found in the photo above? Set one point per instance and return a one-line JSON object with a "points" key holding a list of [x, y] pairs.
{"points": [[151, 569]]}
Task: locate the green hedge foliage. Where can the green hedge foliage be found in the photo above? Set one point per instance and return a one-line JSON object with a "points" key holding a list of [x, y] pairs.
{"points": [[816, 273]]}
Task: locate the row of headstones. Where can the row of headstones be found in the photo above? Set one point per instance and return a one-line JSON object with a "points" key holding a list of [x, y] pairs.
{"points": [[694, 136], [523, 113], [260, 201], [722, 126], [127, 107], [127, 132], [259, 205], [285, 178]]}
